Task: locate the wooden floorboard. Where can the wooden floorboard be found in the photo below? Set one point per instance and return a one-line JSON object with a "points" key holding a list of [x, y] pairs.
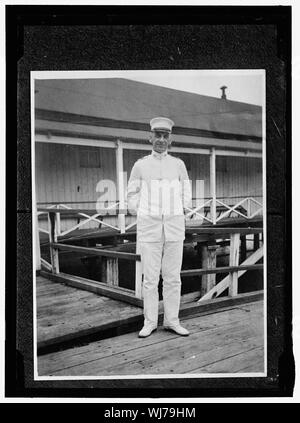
{"points": [[228, 341], [63, 311], [248, 361], [114, 346], [95, 287], [67, 315]]}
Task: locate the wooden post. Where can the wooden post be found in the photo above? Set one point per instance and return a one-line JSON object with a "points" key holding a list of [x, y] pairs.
{"points": [[58, 224], [120, 183], [248, 207], [256, 242], [234, 261], [52, 222], [110, 270], [209, 261], [213, 185], [58, 221], [138, 274], [37, 242], [243, 248], [199, 194]]}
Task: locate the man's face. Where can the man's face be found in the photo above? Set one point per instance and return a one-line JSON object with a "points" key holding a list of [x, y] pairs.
{"points": [[160, 141]]}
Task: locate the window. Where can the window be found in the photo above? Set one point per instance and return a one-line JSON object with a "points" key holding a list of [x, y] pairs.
{"points": [[90, 158]]}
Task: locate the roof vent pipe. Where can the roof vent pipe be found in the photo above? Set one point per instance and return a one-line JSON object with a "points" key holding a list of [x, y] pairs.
{"points": [[223, 88]]}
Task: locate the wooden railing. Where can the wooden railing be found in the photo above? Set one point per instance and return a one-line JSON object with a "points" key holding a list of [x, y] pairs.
{"points": [[109, 264], [209, 288], [90, 215], [210, 211], [219, 210]]}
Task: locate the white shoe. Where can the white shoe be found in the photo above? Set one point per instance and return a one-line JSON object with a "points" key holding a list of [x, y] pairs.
{"points": [[146, 331], [177, 329]]}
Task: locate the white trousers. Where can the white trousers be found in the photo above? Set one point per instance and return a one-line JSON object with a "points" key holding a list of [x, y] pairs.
{"points": [[164, 256]]}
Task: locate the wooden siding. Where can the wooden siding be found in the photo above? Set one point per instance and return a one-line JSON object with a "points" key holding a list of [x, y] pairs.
{"points": [[237, 178], [60, 179]]}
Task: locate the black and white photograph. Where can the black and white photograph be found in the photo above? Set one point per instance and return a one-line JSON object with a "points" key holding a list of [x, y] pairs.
{"points": [[148, 204], [149, 224]]}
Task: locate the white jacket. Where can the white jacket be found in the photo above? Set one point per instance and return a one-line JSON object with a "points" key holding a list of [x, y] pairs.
{"points": [[158, 191]]}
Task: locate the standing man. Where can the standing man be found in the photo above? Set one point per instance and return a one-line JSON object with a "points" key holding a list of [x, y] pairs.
{"points": [[158, 191]]}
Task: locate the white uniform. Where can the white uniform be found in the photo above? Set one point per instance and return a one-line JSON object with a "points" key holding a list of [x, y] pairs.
{"points": [[158, 190]]}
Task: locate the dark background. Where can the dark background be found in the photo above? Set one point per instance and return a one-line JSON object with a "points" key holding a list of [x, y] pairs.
{"points": [[147, 37]]}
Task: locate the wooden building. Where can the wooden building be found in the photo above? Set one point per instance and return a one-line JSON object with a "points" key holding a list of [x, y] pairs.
{"points": [[91, 130]]}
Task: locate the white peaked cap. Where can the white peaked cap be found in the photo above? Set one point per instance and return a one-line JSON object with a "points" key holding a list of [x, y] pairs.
{"points": [[161, 123]]}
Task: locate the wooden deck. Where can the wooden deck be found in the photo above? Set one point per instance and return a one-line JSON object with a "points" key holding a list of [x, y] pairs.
{"points": [[65, 313], [230, 340]]}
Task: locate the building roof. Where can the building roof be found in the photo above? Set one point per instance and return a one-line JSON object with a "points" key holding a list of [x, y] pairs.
{"points": [[136, 103]]}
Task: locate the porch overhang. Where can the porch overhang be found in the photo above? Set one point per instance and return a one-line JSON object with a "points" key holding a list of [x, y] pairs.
{"points": [[89, 135]]}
